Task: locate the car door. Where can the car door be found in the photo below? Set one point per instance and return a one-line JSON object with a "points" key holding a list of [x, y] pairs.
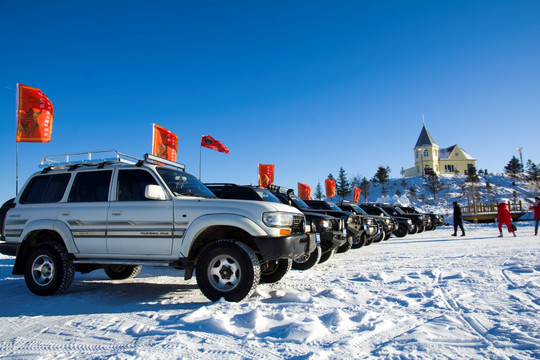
{"points": [[136, 225], [85, 210]]}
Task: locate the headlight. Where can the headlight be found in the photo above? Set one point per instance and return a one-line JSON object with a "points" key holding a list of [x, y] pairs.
{"points": [[387, 221], [409, 221], [325, 224], [350, 219], [277, 219]]}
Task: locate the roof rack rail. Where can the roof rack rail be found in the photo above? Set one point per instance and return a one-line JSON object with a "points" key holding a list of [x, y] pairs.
{"points": [[101, 157], [88, 158], [158, 160]]}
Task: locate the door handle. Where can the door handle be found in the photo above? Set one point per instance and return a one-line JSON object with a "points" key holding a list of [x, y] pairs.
{"points": [[66, 213], [116, 213]]}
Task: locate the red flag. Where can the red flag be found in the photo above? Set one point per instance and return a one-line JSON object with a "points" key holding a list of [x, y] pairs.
{"points": [[304, 191], [266, 175], [211, 143], [330, 186], [34, 115], [164, 143], [356, 194]]}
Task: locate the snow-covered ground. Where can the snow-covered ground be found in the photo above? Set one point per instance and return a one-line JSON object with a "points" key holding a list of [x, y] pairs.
{"points": [[425, 296]]}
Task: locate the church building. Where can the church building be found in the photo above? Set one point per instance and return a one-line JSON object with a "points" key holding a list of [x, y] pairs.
{"points": [[428, 158]]}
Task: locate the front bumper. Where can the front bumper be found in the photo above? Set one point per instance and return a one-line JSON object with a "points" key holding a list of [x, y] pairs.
{"points": [[371, 230], [287, 247], [332, 238]]}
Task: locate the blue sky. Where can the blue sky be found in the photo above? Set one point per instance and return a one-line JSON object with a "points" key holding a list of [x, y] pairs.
{"points": [[309, 86]]}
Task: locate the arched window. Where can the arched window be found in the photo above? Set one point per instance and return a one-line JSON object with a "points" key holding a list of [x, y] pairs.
{"points": [[426, 153]]}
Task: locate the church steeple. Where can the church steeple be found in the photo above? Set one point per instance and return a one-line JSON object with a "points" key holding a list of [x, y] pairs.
{"points": [[425, 138]]}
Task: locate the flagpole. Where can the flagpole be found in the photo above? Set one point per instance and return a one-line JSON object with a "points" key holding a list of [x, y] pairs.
{"points": [[200, 160], [17, 170]]}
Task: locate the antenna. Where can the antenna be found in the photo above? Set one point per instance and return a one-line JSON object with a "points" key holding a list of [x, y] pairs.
{"points": [[423, 122]]}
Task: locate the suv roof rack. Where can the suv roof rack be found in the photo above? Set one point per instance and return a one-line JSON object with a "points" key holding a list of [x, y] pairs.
{"points": [[100, 157]]}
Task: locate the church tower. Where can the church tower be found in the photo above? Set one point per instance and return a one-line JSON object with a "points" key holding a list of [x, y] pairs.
{"points": [[426, 154]]}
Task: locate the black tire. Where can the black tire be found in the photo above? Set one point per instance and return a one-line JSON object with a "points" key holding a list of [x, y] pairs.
{"points": [[387, 235], [308, 261], [228, 269], [327, 255], [272, 271], [345, 247], [420, 228], [122, 272], [368, 241], [413, 230], [359, 241], [379, 237], [48, 269], [401, 231]]}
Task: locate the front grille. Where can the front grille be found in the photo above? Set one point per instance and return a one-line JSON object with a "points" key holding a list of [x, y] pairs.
{"points": [[298, 225], [335, 224]]}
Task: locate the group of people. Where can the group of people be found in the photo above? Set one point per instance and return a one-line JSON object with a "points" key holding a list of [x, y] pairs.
{"points": [[503, 217]]}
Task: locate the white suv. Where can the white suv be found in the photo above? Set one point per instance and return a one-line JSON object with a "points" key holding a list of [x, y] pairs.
{"points": [[108, 210]]}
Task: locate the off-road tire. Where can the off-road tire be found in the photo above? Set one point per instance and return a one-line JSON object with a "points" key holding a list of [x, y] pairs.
{"points": [[420, 229], [122, 272], [229, 269], [272, 271], [359, 241], [414, 229], [401, 231], [387, 235], [346, 246], [308, 261], [327, 255], [379, 237], [48, 269]]}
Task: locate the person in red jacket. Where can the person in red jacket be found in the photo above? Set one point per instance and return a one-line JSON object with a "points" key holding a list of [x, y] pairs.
{"points": [[504, 217], [536, 210]]}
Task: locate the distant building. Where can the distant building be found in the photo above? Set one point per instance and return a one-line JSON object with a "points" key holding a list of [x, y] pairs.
{"points": [[428, 158]]}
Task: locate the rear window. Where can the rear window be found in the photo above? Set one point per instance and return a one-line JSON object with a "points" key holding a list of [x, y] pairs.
{"points": [[90, 186], [45, 189]]}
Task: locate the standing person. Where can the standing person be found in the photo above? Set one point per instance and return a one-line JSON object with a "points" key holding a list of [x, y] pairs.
{"points": [[504, 217], [458, 219], [536, 209]]}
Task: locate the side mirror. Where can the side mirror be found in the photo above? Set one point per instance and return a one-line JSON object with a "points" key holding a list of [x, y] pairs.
{"points": [[154, 192]]}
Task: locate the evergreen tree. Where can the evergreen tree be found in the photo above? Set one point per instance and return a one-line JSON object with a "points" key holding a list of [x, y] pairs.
{"points": [[513, 167], [365, 185], [470, 187], [404, 184], [534, 172], [398, 193], [331, 177], [382, 175], [343, 188], [412, 192], [318, 191], [433, 184]]}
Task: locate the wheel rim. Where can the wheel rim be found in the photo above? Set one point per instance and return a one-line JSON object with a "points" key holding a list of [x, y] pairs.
{"points": [[302, 259], [43, 270], [224, 272]]}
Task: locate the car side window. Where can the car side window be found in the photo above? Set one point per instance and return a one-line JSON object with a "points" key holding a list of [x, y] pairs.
{"points": [[132, 184], [45, 189], [90, 186]]}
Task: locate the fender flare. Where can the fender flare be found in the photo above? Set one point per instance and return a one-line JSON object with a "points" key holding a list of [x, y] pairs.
{"points": [[212, 220], [57, 226]]}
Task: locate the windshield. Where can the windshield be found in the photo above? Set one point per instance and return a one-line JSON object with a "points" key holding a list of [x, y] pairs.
{"points": [[358, 209], [333, 206], [266, 195], [181, 183], [398, 211], [299, 202]]}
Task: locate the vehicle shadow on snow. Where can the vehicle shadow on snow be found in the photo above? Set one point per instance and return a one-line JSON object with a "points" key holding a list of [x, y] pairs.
{"points": [[96, 294], [450, 239]]}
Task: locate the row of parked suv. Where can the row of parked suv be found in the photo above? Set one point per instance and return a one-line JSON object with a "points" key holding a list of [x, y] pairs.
{"points": [[111, 211]]}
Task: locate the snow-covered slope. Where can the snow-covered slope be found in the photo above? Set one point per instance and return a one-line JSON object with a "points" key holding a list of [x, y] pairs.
{"points": [[425, 296], [502, 187]]}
